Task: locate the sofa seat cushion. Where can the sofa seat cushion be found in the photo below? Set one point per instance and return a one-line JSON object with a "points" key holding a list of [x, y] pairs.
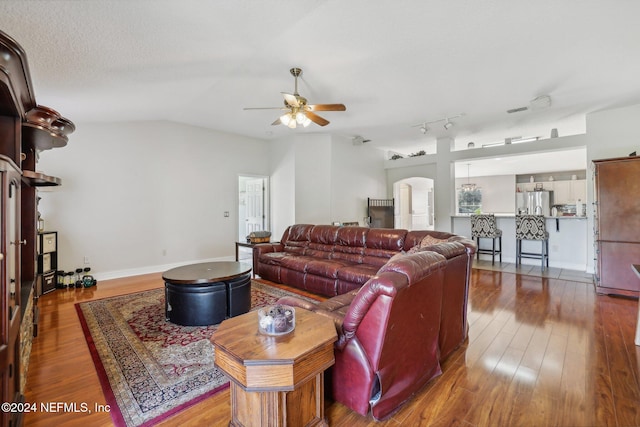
{"points": [[273, 258], [326, 267], [297, 262], [357, 273], [318, 250], [378, 257]]}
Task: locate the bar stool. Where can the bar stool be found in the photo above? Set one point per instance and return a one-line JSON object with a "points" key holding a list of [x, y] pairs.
{"points": [[484, 226], [532, 227]]}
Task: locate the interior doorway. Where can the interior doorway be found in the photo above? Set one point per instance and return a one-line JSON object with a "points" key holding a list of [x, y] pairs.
{"points": [[253, 205], [415, 207]]}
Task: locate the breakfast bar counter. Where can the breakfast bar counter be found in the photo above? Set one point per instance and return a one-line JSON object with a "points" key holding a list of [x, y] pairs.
{"points": [[567, 239]]}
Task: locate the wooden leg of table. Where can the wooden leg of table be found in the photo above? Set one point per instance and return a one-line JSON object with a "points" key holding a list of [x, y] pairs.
{"points": [[303, 406]]}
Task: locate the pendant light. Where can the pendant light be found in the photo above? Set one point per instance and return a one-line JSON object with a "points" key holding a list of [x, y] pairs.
{"points": [[468, 186]]}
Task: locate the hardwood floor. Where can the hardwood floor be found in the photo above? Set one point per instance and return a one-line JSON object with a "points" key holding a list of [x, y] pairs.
{"points": [[541, 352]]}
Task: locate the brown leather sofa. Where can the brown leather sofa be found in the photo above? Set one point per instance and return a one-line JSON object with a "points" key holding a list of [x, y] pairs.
{"points": [[388, 334], [332, 260], [338, 259]]}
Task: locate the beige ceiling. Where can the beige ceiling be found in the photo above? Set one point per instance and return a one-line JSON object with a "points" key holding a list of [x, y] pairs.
{"points": [[393, 63]]}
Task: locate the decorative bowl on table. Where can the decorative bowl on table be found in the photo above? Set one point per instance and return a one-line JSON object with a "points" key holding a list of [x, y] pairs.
{"points": [[276, 319]]}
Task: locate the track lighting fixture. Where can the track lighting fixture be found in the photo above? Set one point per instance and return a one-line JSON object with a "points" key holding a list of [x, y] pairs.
{"points": [[448, 124]]}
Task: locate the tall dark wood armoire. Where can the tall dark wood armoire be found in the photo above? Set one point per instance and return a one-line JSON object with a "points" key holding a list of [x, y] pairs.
{"points": [[617, 225], [26, 129]]}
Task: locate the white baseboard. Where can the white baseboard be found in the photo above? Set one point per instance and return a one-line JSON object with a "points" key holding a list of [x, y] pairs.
{"points": [[116, 274]]}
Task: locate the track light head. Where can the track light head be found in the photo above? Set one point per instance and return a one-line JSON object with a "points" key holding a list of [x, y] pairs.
{"points": [[424, 126]]}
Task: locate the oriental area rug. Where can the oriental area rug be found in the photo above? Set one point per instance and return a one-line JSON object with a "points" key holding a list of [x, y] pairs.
{"points": [[149, 368]]}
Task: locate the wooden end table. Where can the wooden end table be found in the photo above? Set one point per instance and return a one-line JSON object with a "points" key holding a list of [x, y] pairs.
{"points": [[276, 380]]}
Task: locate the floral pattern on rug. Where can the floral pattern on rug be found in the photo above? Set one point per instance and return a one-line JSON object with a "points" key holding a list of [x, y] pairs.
{"points": [[154, 367]]}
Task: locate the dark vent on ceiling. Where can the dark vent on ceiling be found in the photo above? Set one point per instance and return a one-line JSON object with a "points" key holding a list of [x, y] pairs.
{"points": [[517, 110]]}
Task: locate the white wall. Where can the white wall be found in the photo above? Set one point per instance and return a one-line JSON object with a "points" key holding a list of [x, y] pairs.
{"points": [[313, 179], [498, 192], [282, 158], [139, 197], [357, 173], [319, 179]]}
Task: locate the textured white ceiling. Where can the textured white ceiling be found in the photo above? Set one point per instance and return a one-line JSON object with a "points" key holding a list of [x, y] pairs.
{"points": [[393, 63]]}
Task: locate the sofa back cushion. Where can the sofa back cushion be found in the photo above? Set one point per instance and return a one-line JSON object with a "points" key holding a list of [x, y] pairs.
{"points": [[297, 238], [321, 241], [350, 242], [381, 244], [415, 266]]}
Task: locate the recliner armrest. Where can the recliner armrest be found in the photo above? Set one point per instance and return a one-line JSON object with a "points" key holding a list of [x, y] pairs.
{"points": [[263, 248], [298, 302]]}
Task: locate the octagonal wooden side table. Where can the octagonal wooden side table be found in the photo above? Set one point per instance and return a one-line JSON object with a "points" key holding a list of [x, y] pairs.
{"points": [[276, 380]]}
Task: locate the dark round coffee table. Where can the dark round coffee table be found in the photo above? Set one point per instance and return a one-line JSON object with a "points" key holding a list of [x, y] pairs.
{"points": [[207, 293]]}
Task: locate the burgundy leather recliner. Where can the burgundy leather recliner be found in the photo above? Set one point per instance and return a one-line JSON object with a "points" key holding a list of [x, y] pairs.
{"points": [[388, 334]]}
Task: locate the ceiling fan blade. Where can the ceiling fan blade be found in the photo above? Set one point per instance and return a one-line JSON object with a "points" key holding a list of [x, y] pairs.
{"points": [[317, 119], [291, 99], [277, 122], [326, 107]]}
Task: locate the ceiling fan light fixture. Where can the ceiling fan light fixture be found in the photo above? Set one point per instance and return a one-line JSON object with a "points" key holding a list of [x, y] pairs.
{"points": [[448, 125], [299, 111], [424, 129], [285, 118]]}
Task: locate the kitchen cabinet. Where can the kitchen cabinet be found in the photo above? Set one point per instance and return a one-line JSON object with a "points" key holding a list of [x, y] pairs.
{"points": [[531, 186], [617, 225], [568, 192], [578, 190]]}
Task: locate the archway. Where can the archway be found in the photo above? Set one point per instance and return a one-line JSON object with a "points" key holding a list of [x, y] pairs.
{"points": [[415, 203]]}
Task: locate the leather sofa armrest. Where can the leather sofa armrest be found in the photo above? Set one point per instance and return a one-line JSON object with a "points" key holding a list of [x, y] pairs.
{"points": [[469, 244], [298, 302], [333, 308], [382, 284], [447, 249], [263, 248]]}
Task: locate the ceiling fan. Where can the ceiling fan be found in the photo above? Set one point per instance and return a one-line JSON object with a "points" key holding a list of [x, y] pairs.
{"points": [[298, 111], [537, 103]]}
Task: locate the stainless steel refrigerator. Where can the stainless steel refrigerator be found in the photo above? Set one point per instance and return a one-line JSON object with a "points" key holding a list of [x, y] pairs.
{"points": [[534, 202]]}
